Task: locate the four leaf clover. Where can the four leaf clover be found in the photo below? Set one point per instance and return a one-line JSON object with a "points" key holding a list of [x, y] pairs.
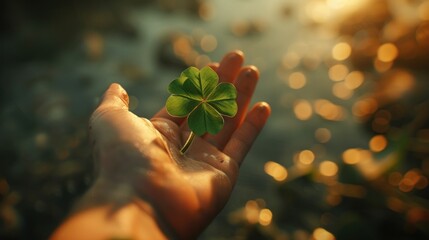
{"points": [[197, 95]]}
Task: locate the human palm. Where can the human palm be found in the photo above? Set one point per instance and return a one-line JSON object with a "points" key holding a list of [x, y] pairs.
{"points": [[186, 190]]}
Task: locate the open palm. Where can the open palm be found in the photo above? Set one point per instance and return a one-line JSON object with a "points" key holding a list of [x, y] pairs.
{"points": [[187, 191]]}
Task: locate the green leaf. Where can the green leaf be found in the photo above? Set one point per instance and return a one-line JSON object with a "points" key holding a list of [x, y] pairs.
{"points": [[205, 119], [223, 99], [197, 94], [180, 106], [176, 86], [208, 80]]}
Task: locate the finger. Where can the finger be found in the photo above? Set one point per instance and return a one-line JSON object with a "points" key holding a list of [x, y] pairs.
{"points": [[230, 66], [245, 84], [245, 135], [213, 66], [115, 97], [164, 114]]}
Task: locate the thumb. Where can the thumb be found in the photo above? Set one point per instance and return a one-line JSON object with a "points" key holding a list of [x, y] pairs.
{"points": [[115, 97]]}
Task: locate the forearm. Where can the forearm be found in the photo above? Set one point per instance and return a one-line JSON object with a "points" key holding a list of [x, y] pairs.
{"points": [[133, 221], [104, 214]]}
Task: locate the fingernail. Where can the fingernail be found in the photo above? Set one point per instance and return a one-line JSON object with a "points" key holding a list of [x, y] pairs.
{"points": [[252, 71], [239, 53], [236, 55], [263, 107]]}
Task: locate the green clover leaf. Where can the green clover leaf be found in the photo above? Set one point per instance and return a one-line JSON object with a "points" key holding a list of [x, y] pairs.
{"points": [[197, 95]]}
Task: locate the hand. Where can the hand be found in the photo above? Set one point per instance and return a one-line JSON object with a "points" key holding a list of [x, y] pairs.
{"points": [[140, 158]]}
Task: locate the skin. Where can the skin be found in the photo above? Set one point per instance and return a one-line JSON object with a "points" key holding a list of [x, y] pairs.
{"points": [[145, 188]]}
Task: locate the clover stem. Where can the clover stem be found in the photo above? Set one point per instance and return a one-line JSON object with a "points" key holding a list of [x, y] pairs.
{"points": [[187, 143]]}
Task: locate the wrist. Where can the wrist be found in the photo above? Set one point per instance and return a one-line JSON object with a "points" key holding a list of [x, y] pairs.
{"points": [[135, 221], [111, 210]]}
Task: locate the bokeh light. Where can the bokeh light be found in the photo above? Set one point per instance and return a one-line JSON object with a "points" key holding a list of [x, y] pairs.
{"points": [[276, 171], [354, 80], [265, 217], [338, 72], [364, 107], [297, 80], [346, 81], [322, 234], [387, 52], [252, 211], [328, 168], [303, 110], [355, 155], [378, 143], [306, 157], [329, 111], [341, 51], [341, 91]]}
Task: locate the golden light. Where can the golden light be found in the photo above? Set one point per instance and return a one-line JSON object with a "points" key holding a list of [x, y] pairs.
{"points": [[306, 157], [336, 4], [387, 52], [328, 168], [265, 217], [322, 234], [355, 155], [276, 171], [378, 143], [365, 107], [303, 110], [332, 12], [322, 135], [297, 80], [351, 156], [252, 211], [354, 79], [338, 72], [328, 110], [318, 11], [424, 11], [341, 91], [341, 51], [208, 43], [381, 66]]}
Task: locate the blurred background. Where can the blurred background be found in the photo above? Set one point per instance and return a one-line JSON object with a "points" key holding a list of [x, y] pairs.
{"points": [[345, 154]]}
